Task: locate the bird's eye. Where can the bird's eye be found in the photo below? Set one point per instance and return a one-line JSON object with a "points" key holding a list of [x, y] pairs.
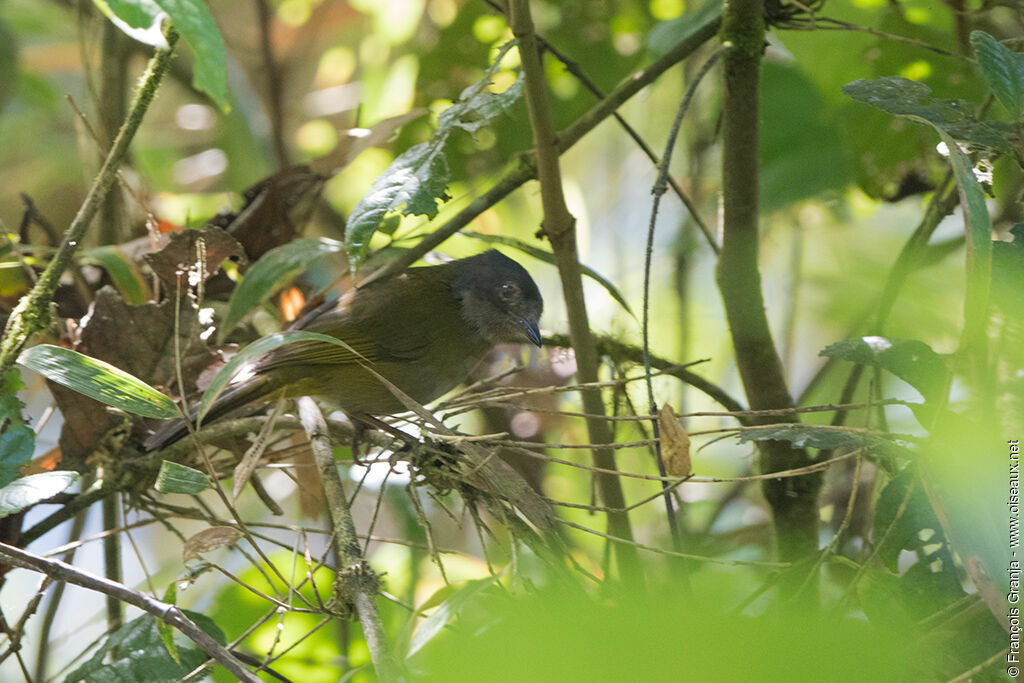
{"points": [[508, 292]]}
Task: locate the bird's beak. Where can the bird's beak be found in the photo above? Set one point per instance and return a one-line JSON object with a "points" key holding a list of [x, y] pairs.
{"points": [[532, 330]]}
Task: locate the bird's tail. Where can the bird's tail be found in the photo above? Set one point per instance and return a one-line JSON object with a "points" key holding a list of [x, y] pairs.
{"points": [[231, 401]]}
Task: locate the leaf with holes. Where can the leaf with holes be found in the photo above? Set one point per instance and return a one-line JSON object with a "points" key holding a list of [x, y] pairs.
{"points": [[911, 99]]}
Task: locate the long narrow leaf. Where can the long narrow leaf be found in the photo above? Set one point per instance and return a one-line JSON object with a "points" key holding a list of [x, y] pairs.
{"points": [[97, 379], [275, 269]]}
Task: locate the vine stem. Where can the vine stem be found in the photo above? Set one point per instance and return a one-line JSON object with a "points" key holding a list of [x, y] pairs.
{"points": [[32, 313], [660, 187]]}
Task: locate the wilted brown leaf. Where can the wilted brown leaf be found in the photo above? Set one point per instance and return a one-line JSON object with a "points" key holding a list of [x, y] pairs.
{"points": [[274, 209], [675, 443], [208, 247], [207, 540]]}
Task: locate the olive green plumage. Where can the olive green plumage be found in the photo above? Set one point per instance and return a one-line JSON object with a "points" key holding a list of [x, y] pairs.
{"points": [[423, 330]]}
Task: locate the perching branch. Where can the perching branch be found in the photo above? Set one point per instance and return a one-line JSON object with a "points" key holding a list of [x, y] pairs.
{"points": [[794, 502], [560, 228], [170, 614], [32, 313], [355, 582]]}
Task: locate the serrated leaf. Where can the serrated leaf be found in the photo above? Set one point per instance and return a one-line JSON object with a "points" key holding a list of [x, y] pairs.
{"points": [[274, 270], [28, 491], [911, 99], [207, 540], [17, 441], [440, 617], [548, 257], [176, 478], [911, 360], [417, 179], [252, 351], [1003, 70], [675, 443], [98, 380]]}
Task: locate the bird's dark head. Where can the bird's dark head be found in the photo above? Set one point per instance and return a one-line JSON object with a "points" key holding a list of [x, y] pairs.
{"points": [[499, 298]]}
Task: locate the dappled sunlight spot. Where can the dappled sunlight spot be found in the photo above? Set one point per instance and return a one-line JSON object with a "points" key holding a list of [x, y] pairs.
{"points": [[194, 116], [316, 137], [917, 71], [333, 100], [207, 164], [336, 66], [563, 362], [524, 424]]}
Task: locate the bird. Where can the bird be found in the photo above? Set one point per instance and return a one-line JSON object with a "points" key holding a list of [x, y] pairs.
{"points": [[424, 331]]}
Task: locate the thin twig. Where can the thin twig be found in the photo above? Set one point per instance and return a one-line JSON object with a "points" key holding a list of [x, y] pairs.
{"points": [[170, 614]]}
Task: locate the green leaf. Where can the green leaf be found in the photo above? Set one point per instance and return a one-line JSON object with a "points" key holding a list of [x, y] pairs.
{"points": [[911, 360], [416, 180], [666, 35], [175, 478], [1003, 70], [136, 653], [815, 436], [978, 229], [547, 257], [141, 20], [138, 19], [18, 440], [440, 617], [98, 380], [28, 491], [254, 350], [122, 271], [197, 28], [911, 99], [165, 630], [275, 269], [914, 529]]}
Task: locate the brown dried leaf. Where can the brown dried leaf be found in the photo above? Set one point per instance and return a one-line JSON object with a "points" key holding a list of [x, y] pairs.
{"points": [[274, 209], [139, 340], [207, 247], [675, 443], [207, 540], [311, 488]]}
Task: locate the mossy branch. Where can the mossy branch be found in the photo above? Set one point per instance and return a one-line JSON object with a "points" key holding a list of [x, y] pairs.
{"points": [[32, 313]]}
